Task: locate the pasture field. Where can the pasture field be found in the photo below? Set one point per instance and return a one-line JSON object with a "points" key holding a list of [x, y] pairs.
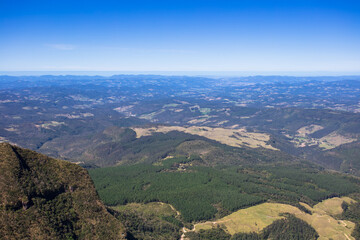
{"points": [[152, 208], [331, 206], [330, 141], [232, 137], [256, 218]]}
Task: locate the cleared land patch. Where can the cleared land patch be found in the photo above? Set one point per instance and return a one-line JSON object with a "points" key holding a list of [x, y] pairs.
{"points": [[150, 116], [199, 120], [309, 129], [171, 105], [330, 141], [334, 139], [332, 206], [231, 137], [153, 208], [256, 218], [49, 125]]}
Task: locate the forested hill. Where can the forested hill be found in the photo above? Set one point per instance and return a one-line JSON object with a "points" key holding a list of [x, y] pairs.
{"points": [[45, 198]]}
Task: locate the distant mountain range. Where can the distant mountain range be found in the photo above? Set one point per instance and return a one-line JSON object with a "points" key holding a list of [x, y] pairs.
{"points": [[196, 148]]}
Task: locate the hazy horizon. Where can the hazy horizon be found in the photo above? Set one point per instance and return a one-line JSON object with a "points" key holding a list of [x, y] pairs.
{"points": [[181, 73]]}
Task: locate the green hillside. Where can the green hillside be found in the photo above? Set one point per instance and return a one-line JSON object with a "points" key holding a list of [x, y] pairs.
{"points": [[201, 192], [45, 198]]}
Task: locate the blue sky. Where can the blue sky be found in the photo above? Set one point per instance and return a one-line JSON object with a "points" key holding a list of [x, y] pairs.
{"points": [[250, 36]]}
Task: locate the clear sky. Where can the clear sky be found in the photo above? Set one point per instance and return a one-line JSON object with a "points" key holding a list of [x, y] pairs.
{"points": [[180, 35]]}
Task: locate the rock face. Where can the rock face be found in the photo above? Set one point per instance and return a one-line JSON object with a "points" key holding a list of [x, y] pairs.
{"points": [[45, 198]]}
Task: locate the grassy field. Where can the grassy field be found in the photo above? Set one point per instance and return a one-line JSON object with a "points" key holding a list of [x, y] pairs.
{"points": [[331, 206], [153, 208], [330, 141], [256, 218], [335, 139], [150, 116], [231, 137], [252, 219], [309, 129]]}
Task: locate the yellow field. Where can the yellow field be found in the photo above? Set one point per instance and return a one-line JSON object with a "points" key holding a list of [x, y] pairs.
{"points": [[330, 141], [50, 124], [258, 217], [252, 219], [334, 139], [331, 206], [231, 137], [309, 129]]}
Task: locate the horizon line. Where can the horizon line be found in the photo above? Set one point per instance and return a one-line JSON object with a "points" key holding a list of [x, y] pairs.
{"points": [[185, 73]]}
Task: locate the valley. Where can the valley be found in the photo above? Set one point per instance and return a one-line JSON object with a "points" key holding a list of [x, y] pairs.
{"points": [[198, 157]]}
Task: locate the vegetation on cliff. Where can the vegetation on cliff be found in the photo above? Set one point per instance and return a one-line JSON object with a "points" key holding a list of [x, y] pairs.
{"points": [[45, 198]]}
